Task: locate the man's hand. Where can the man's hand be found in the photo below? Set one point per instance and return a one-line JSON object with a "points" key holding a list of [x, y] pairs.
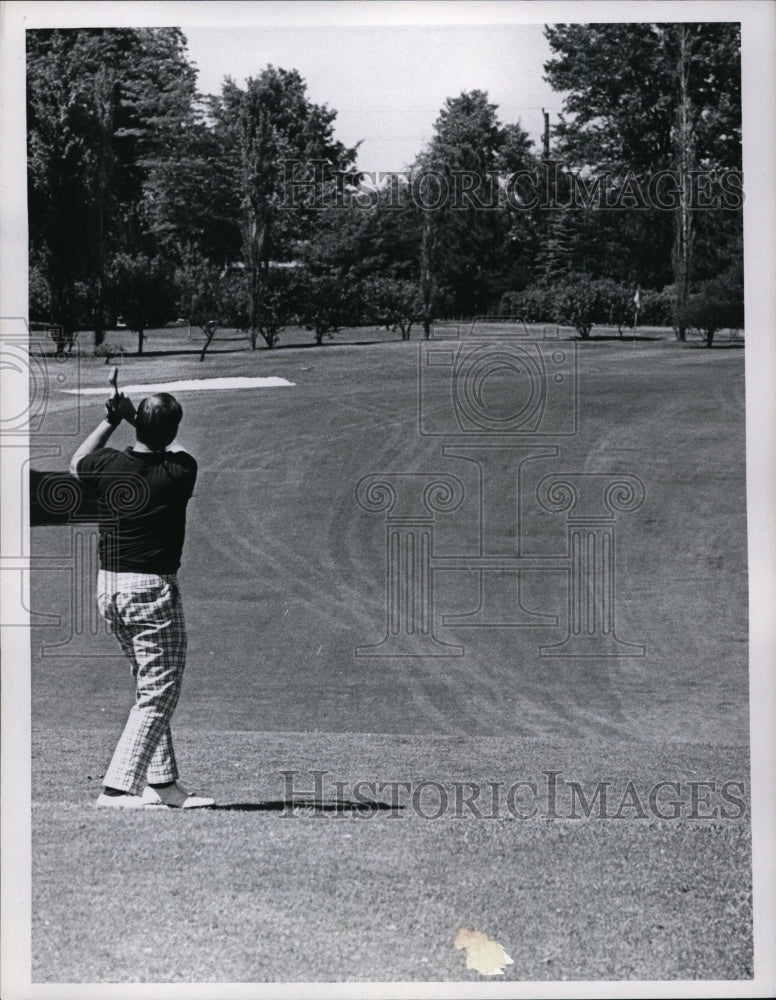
{"points": [[118, 408]]}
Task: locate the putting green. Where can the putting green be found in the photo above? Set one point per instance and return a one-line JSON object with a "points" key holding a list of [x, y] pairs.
{"points": [[191, 385]]}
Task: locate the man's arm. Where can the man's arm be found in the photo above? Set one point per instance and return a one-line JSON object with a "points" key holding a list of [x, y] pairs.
{"points": [[119, 408], [96, 440]]}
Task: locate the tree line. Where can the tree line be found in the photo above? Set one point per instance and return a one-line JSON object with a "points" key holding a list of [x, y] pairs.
{"points": [[151, 202]]}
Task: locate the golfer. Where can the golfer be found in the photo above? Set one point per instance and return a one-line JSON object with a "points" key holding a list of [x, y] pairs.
{"points": [[142, 493]]}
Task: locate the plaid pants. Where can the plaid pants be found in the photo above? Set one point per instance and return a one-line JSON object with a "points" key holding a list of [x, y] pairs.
{"points": [[146, 614]]}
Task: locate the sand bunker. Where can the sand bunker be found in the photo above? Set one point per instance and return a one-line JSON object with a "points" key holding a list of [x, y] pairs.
{"points": [[189, 385]]}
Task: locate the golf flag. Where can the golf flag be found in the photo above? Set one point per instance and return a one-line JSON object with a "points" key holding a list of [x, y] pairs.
{"points": [[637, 297]]}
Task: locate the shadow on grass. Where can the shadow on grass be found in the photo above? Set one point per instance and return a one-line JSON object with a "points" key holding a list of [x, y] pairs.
{"points": [[311, 805], [701, 345], [187, 352], [626, 338], [182, 353], [334, 343], [120, 358]]}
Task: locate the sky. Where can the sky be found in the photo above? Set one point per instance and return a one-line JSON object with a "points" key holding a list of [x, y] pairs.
{"points": [[389, 83]]}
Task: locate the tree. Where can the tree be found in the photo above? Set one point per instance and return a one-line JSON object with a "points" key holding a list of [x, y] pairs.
{"points": [[393, 303], [558, 255], [199, 286], [460, 238], [617, 303], [142, 291], [645, 98], [264, 131], [716, 304], [427, 272], [325, 303], [190, 205], [276, 308], [470, 243], [101, 104], [685, 157], [39, 291], [575, 303]]}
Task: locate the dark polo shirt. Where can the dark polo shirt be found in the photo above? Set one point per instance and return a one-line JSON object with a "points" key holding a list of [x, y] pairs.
{"points": [[141, 503]]}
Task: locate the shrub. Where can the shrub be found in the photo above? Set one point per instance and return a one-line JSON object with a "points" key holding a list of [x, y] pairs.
{"points": [[276, 307], [325, 303], [576, 304], [233, 301], [614, 303], [717, 304], [142, 290], [40, 299], [657, 308], [574, 300], [532, 305], [509, 305], [393, 302], [581, 302]]}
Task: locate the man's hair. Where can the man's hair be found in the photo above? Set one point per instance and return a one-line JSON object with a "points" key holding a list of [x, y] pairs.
{"points": [[157, 419]]}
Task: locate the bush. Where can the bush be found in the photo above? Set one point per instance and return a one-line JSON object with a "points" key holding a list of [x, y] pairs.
{"points": [[325, 303], [657, 308], [393, 302], [40, 298], [575, 300], [577, 304], [581, 303], [234, 301], [142, 290], [277, 305], [717, 304], [614, 302], [532, 305]]}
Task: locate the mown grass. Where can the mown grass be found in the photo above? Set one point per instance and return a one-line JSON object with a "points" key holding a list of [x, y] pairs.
{"points": [[263, 893], [283, 577]]}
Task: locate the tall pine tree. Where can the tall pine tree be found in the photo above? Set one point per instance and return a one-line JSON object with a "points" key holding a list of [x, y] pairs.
{"points": [[645, 98]]}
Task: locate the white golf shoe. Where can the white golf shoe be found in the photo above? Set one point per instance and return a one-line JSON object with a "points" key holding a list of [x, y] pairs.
{"points": [[175, 797], [125, 801]]}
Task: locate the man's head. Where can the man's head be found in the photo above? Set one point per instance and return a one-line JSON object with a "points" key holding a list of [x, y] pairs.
{"points": [[157, 420]]}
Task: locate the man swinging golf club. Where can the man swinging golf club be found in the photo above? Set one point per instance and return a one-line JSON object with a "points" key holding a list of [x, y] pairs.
{"points": [[142, 493]]}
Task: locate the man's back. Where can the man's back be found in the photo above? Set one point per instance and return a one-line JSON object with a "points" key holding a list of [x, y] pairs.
{"points": [[142, 498]]}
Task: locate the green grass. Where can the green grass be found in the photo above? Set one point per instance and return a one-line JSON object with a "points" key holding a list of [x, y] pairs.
{"points": [[263, 894], [283, 576]]}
